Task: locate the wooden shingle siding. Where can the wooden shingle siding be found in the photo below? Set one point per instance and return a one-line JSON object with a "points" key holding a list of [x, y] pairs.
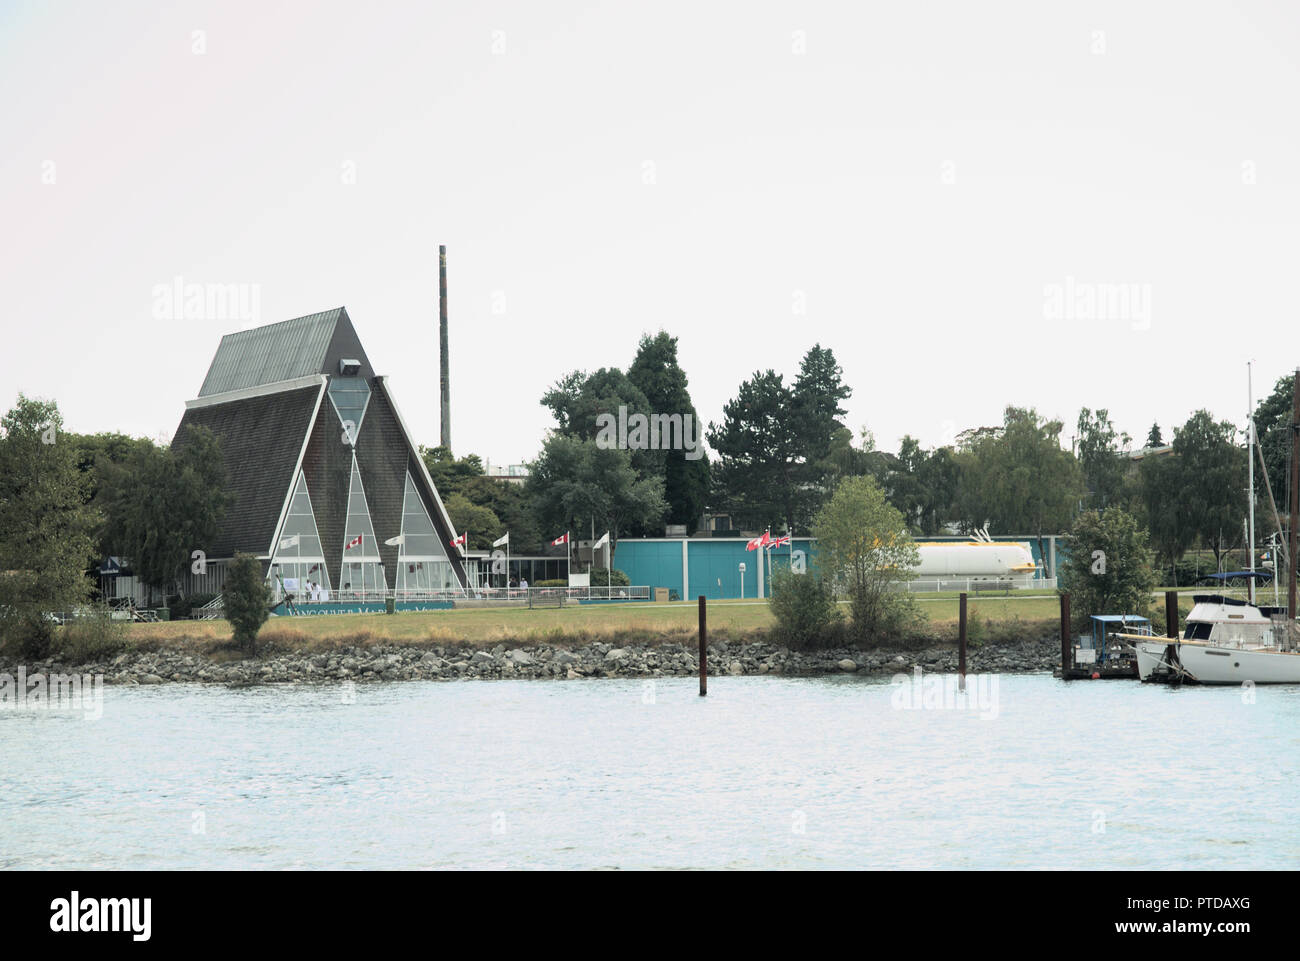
{"points": [[260, 439]]}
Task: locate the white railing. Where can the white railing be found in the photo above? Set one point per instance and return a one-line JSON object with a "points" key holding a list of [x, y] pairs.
{"points": [[978, 585]]}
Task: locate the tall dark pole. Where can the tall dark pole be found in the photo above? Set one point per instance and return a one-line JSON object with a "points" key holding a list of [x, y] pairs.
{"points": [[444, 397], [1295, 494], [704, 650], [1067, 648], [961, 641], [1171, 613]]}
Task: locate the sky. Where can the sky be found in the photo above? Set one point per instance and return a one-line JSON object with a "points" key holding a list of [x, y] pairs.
{"points": [[973, 205]]}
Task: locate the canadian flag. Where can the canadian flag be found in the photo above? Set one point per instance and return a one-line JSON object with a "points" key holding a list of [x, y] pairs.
{"points": [[460, 541], [355, 542], [758, 542], [562, 539]]}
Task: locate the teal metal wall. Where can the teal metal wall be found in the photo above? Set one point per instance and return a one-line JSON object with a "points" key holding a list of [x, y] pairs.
{"points": [[714, 564]]}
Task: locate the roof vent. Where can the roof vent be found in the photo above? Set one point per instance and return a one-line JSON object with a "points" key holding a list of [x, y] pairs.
{"points": [[349, 368]]}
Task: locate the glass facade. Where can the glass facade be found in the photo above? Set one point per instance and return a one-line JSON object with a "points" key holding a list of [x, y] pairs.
{"points": [[422, 564], [350, 397], [298, 566], [362, 573]]}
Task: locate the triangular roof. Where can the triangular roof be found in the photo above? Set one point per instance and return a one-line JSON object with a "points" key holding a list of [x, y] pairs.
{"points": [[287, 350]]}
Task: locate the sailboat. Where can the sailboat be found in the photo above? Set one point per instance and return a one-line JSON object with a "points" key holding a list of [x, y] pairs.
{"points": [[1228, 640]]}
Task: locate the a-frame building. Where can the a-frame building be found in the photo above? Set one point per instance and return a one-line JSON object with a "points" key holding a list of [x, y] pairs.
{"points": [[322, 470]]}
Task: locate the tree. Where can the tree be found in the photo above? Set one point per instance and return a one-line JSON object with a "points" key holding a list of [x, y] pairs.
{"points": [[482, 526], [940, 477], [1019, 478], [1109, 565], [844, 459], [1211, 480], [758, 449], [818, 391], [578, 399], [1171, 532], [780, 448], [449, 473], [657, 374], [1273, 435], [1153, 437], [1099, 457], [46, 528], [576, 483], [247, 600], [864, 548], [166, 503]]}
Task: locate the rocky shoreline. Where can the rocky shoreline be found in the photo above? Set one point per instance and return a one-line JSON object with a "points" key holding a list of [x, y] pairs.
{"points": [[397, 662]]}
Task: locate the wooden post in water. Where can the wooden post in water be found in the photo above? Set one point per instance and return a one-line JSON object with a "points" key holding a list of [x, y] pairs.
{"points": [[1067, 651], [961, 642], [1171, 613], [704, 650]]}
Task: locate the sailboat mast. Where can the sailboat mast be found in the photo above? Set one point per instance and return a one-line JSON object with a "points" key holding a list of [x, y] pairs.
{"points": [[1250, 443], [1295, 495]]}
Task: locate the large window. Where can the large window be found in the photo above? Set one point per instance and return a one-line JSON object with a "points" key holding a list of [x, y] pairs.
{"points": [[298, 565], [422, 564], [362, 573], [350, 397]]}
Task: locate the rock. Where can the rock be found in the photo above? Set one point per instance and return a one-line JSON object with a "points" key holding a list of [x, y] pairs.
{"points": [[481, 659], [565, 658], [735, 667], [572, 675], [520, 658], [618, 654], [847, 665], [150, 679]]}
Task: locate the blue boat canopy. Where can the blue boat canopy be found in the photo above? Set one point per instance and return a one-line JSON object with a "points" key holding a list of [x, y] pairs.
{"points": [[1229, 575]]}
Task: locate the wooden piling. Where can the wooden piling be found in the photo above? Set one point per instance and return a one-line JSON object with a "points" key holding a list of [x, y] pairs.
{"points": [[1171, 613], [961, 642], [704, 650], [1067, 648]]}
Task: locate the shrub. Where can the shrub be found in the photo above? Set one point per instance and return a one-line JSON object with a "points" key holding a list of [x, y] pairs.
{"points": [[554, 582], [32, 637], [248, 600], [91, 637], [605, 577], [805, 610]]}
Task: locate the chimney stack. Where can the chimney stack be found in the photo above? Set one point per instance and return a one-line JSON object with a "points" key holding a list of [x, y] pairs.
{"points": [[444, 384]]}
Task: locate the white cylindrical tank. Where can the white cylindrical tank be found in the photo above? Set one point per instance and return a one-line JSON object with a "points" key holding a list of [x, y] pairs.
{"points": [[975, 559]]}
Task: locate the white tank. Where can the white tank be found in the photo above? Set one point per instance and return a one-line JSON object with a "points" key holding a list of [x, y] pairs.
{"points": [[975, 559]]}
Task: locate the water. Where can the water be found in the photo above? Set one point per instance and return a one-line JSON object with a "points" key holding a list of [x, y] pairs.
{"points": [[763, 773]]}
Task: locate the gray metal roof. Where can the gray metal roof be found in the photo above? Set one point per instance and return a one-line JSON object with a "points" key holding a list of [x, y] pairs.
{"points": [[276, 352]]}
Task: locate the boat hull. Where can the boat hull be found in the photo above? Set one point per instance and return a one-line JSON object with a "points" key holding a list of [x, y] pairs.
{"points": [[1210, 664]]}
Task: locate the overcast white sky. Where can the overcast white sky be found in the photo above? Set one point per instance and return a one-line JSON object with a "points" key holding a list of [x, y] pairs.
{"points": [[916, 176]]}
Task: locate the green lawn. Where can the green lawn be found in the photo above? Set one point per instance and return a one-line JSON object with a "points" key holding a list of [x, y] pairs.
{"points": [[736, 618]]}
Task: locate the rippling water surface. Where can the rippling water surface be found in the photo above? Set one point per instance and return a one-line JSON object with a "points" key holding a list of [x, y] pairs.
{"points": [[763, 773]]}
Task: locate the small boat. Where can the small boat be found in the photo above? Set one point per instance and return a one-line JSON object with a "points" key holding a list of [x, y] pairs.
{"points": [[1226, 641]]}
